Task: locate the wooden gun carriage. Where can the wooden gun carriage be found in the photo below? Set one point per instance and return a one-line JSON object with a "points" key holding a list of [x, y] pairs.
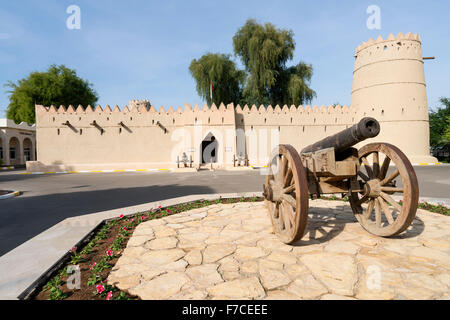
{"points": [[367, 176]]}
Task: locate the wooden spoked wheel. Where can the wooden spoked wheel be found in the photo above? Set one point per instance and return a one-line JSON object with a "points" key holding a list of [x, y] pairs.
{"points": [[374, 206], [286, 192]]}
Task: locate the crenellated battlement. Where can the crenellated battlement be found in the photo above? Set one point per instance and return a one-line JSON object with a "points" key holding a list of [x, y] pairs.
{"points": [[400, 37], [195, 109]]}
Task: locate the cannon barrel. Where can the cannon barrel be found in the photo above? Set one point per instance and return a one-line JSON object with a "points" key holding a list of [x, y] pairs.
{"points": [[366, 128]]}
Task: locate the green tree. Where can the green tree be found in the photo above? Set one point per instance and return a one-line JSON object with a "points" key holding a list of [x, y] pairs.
{"points": [[447, 130], [226, 78], [264, 50], [440, 124], [59, 85]]}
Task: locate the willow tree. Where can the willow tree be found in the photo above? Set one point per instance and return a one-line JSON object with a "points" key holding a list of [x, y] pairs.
{"points": [[220, 71], [58, 85], [264, 50]]}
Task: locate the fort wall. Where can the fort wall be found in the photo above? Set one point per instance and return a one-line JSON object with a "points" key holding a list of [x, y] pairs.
{"points": [[388, 84]]}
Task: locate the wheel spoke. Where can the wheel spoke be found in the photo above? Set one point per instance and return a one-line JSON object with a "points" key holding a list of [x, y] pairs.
{"points": [[276, 211], [289, 189], [289, 199], [287, 177], [391, 189], [284, 165], [369, 209], [384, 168], [285, 219], [377, 213], [391, 177], [391, 201], [376, 165], [386, 210], [290, 213], [367, 167], [363, 176], [362, 200]]}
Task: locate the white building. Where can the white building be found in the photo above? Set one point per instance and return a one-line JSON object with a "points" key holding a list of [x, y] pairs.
{"points": [[17, 143]]}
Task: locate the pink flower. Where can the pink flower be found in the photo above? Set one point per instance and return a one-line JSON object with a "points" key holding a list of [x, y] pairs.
{"points": [[109, 252], [159, 207], [93, 265], [124, 228], [109, 295], [168, 211], [100, 288]]}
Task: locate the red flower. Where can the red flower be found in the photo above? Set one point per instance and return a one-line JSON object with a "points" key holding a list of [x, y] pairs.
{"points": [[168, 211], [159, 207], [74, 249], [124, 228], [100, 288], [121, 216], [109, 252], [92, 266], [109, 295], [143, 218]]}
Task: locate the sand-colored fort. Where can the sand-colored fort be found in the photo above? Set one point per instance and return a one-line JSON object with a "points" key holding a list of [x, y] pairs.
{"points": [[388, 84]]}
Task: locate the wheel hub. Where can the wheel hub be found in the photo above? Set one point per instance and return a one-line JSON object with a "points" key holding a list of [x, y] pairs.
{"points": [[372, 188]]}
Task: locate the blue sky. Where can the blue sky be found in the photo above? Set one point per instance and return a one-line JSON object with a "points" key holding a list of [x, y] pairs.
{"points": [[142, 49]]}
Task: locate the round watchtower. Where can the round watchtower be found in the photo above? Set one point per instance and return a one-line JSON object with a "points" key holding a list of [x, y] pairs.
{"points": [[389, 85]]}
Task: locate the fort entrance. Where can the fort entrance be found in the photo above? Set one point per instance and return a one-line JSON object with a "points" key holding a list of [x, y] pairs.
{"points": [[209, 149]]}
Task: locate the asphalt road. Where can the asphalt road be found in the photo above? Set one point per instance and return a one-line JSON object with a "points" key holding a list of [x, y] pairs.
{"points": [[49, 199]]}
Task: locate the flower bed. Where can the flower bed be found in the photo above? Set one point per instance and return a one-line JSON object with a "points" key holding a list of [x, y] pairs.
{"points": [[94, 261]]}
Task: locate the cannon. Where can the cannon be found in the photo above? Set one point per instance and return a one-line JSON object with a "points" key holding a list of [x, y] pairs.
{"points": [[368, 177]]}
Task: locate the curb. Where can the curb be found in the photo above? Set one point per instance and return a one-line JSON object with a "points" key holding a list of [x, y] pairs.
{"points": [[427, 164], [7, 168], [12, 194], [99, 171]]}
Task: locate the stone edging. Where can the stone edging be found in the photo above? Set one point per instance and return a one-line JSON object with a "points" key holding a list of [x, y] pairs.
{"points": [[7, 168], [12, 194]]}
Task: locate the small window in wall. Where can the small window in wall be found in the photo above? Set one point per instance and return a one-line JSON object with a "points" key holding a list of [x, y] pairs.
{"points": [[1, 153], [81, 132], [12, 153], [58, 131], [27, 154]]}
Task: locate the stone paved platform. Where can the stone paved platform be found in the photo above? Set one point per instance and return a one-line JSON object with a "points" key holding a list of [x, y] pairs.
{"points": [[228, 251]]}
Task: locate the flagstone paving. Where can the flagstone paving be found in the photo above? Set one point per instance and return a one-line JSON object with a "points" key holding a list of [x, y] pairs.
{"points": [[228, 251]]}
